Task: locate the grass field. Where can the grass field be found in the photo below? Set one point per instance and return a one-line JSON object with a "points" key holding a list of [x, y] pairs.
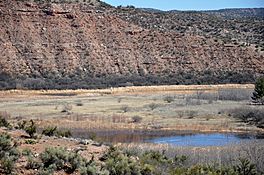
{"points": [[197, 108]]}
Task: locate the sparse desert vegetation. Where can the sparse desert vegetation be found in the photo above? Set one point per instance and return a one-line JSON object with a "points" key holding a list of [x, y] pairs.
{"points": [[37, 124], [71, 156], [87, 88], [224, 156], [224, 108], [199, 108]]}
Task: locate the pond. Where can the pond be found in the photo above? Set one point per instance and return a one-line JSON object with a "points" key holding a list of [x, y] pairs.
{"points": [[176, 138], [216, 139]]}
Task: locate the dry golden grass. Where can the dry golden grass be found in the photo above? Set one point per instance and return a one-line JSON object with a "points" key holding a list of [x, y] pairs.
{"points": [[133, 89], [114, 108]]}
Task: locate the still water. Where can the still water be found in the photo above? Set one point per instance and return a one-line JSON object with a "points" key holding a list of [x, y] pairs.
{"points": [[172, 138], [202, 139]]}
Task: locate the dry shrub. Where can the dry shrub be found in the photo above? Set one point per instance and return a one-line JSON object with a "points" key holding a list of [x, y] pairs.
{"points": [[191, 101], [119, 119], [251, 115], [136, 119], [125, 109], [216, 156], [79, 103], [235, 94], [66, 108], [5, 115], [153, 106], [169, 99], [192, 114]]}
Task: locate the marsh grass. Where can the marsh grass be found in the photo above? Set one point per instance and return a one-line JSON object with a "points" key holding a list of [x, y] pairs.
{"points": [[217, 156], [189, 109]]}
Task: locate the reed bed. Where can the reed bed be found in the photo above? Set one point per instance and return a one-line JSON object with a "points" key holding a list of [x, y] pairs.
{"points": [[132, 89], [218, 156]]}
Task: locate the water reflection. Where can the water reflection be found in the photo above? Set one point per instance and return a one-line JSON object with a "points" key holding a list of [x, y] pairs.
{"points": [[179, 138], [198, 140]]}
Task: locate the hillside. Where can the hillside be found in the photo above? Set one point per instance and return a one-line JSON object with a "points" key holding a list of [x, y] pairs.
{"points": [[226, 13], [93, 45], [237, 26], [239, 13]]}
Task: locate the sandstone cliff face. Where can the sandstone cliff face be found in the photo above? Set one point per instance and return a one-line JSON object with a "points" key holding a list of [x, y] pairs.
{"points": [[51, 41]]}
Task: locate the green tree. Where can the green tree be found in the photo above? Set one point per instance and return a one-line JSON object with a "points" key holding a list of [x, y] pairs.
{"points": [[258, 94]]}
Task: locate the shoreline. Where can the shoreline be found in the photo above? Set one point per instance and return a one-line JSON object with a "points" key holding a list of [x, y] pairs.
{"points": [[139, 135]]}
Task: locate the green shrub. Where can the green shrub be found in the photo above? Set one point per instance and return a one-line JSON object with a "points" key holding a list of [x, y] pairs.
{"points": [[147, 163], [131, 152], [21, 125], [92, 135], [49, 131], [4, 122], [88, 170], [118, 163], [180, 160], [45, 172], [8, 153], [147, 169], [30, 142], [31, 128], [7, 164], [122, 165], [156, 162], [27, 152], [5, 143], [63, 133], [155, 158], [245, 167], [32, 163], [74, 161], [7, 147], [92, 168], [202, 170], [52, 131], [58, 159], [54, 157]]}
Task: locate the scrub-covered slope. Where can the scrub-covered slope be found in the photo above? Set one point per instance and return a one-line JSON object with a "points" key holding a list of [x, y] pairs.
{"points": [[82, 45]]}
